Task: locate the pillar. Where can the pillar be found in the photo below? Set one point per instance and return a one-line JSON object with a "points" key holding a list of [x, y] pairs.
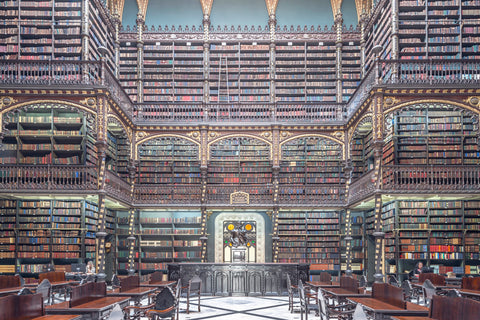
{"points": [[338, 65]]}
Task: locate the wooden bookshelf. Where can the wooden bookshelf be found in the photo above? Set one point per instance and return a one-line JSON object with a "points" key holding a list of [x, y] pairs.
{"points": [[49, 135], [357, 244], [167, 237], [435, 135], [239, 161], [122, 249], [41, 233]]}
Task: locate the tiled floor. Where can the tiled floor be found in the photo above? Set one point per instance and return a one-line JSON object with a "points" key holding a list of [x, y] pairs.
{"points": [[240, 308]]}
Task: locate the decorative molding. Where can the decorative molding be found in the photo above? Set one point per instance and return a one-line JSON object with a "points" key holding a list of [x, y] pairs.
{"points": [[206, 6], [285, 135], [239, 198], [271, 6], [194, 135], [267, 135], [388, 102], [473, 101], [240, 216]]}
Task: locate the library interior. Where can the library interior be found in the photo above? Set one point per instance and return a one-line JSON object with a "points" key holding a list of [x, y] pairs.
{"points": [[254, 148]]}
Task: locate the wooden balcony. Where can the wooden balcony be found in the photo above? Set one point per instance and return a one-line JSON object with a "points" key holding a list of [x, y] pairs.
{"points": [[117, 187], [418, 179], [58, 178]]}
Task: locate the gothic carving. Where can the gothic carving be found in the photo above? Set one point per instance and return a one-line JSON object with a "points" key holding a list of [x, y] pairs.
{"points": [[194, 135], [239, 198]]}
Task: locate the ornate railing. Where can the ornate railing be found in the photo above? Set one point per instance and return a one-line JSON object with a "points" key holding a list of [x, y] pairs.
{"points": [[167, 195], [362, 187], [117, 187], [236, 112], [311, 195], [48, 177], [414, 72], [418, 178], [64, 73]]}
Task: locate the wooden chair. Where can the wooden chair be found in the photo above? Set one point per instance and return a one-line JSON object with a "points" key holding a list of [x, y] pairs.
{"points": [[292, 293], [393, 281], [341, 311], [165, 305], [116, 313], [408, 291], [359, 313], [192, 289], [362, 281], [428, 290], [45, 289], [305, 305]]}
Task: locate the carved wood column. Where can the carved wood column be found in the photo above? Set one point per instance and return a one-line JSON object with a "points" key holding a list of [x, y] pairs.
{"points": [[102, 147], [132, 171], [272, 23], [338, 65], [275, 184], [395, 48], [348, 224], [206, 60], [140, 27], [377, 128], [363, 23], [85, 29], [117, 23], [204, 173]]}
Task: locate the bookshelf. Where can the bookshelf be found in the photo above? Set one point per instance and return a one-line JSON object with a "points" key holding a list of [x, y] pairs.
{"points": [[128, 69], [122, 233], [357, 242], [379, 32], [434, 135], [52, 29], [169, 161], [309, 237], [254, 72], [117, 154], [290, 71], [41, 233], [239, 161], [48, 134], [310, 161], [351, 66], [167, 237], [361, 151]]}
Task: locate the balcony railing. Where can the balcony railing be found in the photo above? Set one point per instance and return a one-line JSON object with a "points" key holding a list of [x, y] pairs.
{"points": [[117, 187], [250, 112], [64, 73], [48, 177], [311, 195], [440, 179], [394, 72], [167, 195], [362, 187]]}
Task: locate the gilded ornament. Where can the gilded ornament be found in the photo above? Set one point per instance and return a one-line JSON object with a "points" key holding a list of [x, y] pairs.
{"points": [[7, 101], [141, 134], [339, 134], [474, 101]]}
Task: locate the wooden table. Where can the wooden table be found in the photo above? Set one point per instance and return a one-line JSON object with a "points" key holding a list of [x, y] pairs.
{"points": [[7, 291], [158, 284], [136, 294], [469, 293], [321, 284], [341, 294], [412, 318], [381, 309], [59, 317], [94, 310]]}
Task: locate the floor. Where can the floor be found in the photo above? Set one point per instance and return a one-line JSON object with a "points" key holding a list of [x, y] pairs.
{"points": [[240, 308]]}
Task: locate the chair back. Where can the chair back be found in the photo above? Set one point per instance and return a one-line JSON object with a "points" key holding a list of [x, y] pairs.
{"points": [[115, 281], [393, 281], [289, 284], [165, 300], [359, 313], [195, 285], [45, 288], [362, 281], [117, 313], [322, 305]]}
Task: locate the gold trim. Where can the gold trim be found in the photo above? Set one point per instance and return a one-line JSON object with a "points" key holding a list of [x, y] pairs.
{"points": [[411, 103], [23, 104]]}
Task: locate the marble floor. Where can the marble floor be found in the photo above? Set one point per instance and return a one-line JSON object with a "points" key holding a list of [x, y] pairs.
{"points": [[240, 308]]}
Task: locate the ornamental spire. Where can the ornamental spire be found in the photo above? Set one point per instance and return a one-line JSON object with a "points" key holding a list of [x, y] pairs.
{"points": [[206, 6], [271, 6]]}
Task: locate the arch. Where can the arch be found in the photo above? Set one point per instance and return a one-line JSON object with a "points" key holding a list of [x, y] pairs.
{"points": [[138, 143], [116, 120], [239, 136], [341, 143], [430, 101], [54, 103], [367, 117], [66, 103]]}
